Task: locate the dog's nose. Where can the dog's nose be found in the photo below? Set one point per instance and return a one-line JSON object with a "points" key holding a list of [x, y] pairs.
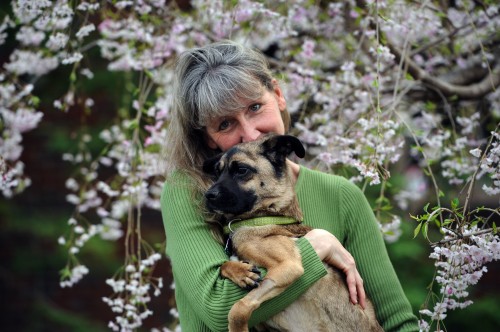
{"points": [[212, 194]]}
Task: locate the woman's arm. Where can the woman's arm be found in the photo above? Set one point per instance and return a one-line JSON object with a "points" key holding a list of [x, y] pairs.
{"points": [[364, 241], [196, 259]]}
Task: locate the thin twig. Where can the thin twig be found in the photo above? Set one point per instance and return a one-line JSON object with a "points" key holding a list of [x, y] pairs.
{"points": [[460, 237]]}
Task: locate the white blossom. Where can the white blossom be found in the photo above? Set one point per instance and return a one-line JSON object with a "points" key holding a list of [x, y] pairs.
{"points": [[33, 63], [85, 31], [85, 6], [72, 58], [29, 36], [57, 41], [76, 274]]}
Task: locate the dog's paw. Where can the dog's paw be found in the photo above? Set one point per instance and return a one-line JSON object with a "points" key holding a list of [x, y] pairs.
{"points": [[243, 274]]}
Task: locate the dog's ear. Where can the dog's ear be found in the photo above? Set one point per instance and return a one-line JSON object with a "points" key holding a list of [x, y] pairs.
{"points": [[292, 143], [283, 145], [209, 164], [277, 147]]}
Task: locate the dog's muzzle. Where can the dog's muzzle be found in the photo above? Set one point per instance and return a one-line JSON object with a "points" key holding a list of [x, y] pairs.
{"points": [[221, 199]]}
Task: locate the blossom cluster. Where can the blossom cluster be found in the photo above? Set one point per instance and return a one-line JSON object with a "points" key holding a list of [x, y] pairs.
{"points": [[131, 294], [460, 265], [74, 276], [18, 115], [43, 46], [490, 165]]}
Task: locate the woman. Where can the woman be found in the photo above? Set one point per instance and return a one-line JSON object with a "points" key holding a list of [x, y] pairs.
{"points": [[225, 94]]}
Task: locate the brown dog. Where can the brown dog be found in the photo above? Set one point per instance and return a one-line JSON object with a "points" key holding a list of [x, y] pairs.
{"points": [[253, 182]]}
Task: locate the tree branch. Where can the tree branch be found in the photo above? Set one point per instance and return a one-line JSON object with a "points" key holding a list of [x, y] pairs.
{"points": [[473, 91]]}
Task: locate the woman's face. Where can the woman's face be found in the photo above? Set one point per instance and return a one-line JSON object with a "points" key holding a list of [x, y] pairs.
{"points": [[258, 117]]}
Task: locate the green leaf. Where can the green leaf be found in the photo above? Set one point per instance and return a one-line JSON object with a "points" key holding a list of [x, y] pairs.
{"points": [[426, 207], [425, 229], [65, 273], [387, 207], [418, 148], [133, 124], [383, 17], [417, 230], [446, 222], [430, 106], [409, 77], [495, 230], [35, 101], [454, 203], [149, 74], [153, 148], [441, 14]]}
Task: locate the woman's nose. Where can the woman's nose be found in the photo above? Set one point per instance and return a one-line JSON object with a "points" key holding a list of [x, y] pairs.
{"points": [[249, 132]]}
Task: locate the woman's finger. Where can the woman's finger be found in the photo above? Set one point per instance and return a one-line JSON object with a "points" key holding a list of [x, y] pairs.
{"points": [[352, 286], [361, 292]]}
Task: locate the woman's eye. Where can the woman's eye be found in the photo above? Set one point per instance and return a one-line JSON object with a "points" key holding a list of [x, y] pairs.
{"points": [[224, 125], [255, 107]]}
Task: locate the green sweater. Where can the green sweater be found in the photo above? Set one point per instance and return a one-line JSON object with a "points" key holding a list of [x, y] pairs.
{"points": [[328, 202]]}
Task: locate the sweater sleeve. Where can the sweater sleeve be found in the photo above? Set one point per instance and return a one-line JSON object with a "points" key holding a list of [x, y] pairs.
{"points": [[196, 258], [364, 241]]}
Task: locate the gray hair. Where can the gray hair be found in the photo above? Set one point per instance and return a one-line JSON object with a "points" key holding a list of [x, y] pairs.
{"points": [[213, 79]]}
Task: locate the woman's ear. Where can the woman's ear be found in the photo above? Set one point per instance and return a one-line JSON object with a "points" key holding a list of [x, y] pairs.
{"points": [[280, 97]]}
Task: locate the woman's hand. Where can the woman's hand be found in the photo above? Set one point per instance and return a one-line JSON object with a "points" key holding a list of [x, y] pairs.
{"points": [[331, 251]]}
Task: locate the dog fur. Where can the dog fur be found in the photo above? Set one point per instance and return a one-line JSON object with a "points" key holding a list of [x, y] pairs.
{"points": [[251, 180]]}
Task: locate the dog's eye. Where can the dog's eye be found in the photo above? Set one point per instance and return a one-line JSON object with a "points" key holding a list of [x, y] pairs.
{"points": [[242, 171]]}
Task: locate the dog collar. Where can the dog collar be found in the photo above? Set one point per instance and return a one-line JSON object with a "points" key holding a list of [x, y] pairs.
{"points": [[258, 221]]}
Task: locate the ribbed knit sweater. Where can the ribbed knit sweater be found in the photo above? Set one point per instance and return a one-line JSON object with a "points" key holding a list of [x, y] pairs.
{"points": [[328, 202]]}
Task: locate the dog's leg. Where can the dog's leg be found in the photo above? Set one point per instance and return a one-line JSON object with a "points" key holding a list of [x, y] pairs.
{"points": [[241, 311], [275, 282], [284, 266], [243, 274]]}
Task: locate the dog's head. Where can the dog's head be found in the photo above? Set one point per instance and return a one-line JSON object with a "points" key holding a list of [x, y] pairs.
{"points": [[253, 179]]}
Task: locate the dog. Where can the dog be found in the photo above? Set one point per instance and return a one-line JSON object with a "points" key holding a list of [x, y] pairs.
{"points": [[253, 196]]}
